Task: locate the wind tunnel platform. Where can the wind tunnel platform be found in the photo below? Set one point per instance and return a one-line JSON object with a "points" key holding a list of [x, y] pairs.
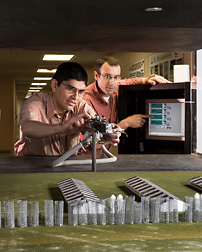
{"points": [[135, 162]]}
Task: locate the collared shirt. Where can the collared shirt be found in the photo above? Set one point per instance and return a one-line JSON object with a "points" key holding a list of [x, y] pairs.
{"points": [[102, 107], [99, 104], [39, 107]]}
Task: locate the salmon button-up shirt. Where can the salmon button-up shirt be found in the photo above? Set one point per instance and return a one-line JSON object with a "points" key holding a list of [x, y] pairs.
{"points": [[40, 107]]}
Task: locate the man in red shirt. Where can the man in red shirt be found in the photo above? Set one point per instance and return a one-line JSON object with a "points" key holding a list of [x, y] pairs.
{"points": [[102, 95]]}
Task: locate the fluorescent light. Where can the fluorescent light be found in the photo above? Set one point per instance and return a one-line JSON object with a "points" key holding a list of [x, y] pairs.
{"points": [[153, 9], [35, 88], [46, 71], [57, 57], [42, 78], [39, 84]]}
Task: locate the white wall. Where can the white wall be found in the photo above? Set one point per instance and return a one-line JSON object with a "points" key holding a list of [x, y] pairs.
{"points": [[199, 101]]}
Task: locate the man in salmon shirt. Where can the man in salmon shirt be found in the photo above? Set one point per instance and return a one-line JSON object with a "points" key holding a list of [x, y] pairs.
{"points": [[102, 95]]}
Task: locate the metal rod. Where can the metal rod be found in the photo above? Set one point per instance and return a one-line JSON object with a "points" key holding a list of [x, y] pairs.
{"points": [[94, 150]]}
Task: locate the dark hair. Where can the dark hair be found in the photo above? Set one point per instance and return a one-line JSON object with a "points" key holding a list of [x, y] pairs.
{"points": [[110, 60], [70, 70]]}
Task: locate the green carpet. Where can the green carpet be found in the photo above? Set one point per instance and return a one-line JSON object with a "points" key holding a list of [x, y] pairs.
{"points": [[137, 237]]}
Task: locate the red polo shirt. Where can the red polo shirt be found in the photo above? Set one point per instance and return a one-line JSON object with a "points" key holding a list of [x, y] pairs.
{"points": [[98, 103]]}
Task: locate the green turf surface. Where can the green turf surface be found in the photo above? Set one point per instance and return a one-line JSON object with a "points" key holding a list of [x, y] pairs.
{"points": [[137, 237], [142, 237]]}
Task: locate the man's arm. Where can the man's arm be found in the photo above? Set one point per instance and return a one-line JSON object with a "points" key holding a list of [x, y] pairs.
{"points": [[35, 129], [134, 121], [152, 79]]}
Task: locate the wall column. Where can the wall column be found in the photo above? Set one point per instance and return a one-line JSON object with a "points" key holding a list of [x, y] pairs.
{"points": [[7, 115]]}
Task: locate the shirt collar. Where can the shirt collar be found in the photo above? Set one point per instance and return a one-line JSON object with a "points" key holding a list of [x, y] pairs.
{"points": [[99, 96]]}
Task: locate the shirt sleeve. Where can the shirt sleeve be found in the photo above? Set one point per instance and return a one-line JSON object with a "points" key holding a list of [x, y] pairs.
{"points": [[31, 109], [131, 81], [84, 107], [90, 110]]}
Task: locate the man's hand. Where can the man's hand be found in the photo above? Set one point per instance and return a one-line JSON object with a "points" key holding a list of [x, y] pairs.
{"points": [[76, 124], [113, 138], [153, 79], [134, 121]]}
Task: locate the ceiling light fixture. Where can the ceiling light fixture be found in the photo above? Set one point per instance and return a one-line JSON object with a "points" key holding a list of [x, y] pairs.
{"points": [[38, 84], [42, 78], [58, 57], [34, 88], [155, 9], [46, 71]]}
